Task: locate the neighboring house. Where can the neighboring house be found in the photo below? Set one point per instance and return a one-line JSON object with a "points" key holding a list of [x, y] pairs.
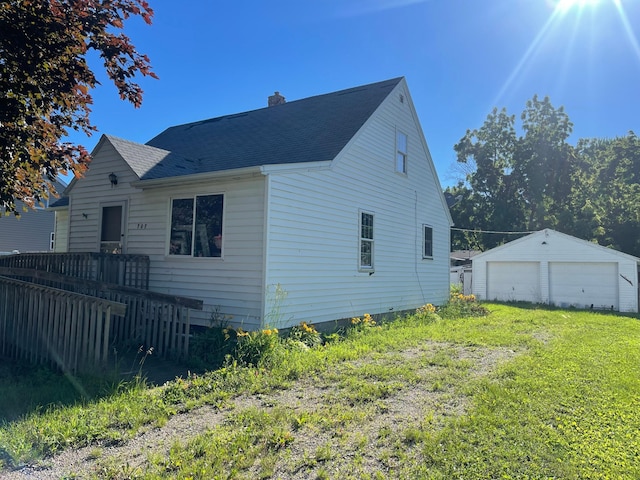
{"points": [[558, 269], [462, 257], [461, 272], [311, 210], [32, 231]]}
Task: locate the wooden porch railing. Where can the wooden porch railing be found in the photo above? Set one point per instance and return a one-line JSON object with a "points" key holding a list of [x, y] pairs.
{"points": [[151, 319], [66, 330], [126, 270]]}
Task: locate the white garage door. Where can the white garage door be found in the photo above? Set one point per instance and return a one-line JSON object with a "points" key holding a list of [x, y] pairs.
{"points": [[584, 284], [513, 281]]}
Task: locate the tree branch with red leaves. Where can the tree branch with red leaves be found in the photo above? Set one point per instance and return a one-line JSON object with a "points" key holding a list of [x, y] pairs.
{"points": [[45, 85]]}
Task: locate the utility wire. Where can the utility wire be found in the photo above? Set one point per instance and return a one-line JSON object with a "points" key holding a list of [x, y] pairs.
{"points": [[490, 231]]}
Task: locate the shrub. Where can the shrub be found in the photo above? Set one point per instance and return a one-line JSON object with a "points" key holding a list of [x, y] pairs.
{"points": [[209, 349], [256, 348], [455, 289], [427, 312], [306, 334], [362, 324], [460, 306]]}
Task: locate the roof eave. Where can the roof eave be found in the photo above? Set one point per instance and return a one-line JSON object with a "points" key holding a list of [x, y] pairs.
{"points": [[197, 178], [233, 173], [295, 167], [57, 209]]}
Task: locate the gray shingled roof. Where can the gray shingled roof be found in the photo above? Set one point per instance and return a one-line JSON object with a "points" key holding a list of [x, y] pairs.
{"points": [[308, 130], [60, 202], [144, 158]]}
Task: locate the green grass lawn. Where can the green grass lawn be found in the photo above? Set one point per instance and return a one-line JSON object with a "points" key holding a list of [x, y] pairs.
{"points": [[564, 402], [567, 408]]}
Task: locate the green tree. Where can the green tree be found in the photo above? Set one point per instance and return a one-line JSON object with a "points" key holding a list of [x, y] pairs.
{"points": [[492, 201], [543, 163], [612, 189], [584, 215], [45, 85], [516, 183], [538, 180]]}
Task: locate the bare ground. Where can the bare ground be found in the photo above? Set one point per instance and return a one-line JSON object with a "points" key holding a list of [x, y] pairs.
{"points": [[376, 423]]}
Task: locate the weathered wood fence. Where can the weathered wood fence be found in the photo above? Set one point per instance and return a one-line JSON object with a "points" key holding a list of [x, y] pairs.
{"points": [[145, 318], [126, 270], [66, 330]]}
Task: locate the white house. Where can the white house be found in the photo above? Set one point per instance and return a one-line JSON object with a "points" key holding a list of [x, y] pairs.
{"points": [[558, 269], [311, 210]]}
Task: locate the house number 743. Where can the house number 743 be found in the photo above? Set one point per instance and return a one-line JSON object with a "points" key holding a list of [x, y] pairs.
{"points": [[142, 226]]}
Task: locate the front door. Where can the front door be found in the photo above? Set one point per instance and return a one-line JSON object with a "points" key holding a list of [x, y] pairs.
{"points": [[112, 231]]}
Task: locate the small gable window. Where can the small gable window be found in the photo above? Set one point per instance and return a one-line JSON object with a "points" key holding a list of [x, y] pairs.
{"points": [[401, 152], [366, 241], [196, 226], [427, 248]]}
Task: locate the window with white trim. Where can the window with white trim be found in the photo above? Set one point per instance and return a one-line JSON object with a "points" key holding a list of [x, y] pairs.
{"points": [[427, 241], [401, 152], [366, 241], [196, 226]]}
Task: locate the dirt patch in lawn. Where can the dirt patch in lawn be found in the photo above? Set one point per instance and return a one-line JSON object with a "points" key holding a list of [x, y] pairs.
{"points": [[375, 436]]}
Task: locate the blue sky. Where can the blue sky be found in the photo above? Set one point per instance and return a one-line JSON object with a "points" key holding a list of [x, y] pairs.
{"points": [[461, 58]]}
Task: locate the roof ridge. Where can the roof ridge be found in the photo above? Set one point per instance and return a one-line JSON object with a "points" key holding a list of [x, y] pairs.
{"points": [[112, 138], [383, 83]]}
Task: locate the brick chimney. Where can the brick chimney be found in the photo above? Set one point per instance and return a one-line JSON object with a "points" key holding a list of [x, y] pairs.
{"points": [[276, 99]]}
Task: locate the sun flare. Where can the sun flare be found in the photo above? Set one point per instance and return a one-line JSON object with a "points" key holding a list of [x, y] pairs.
{"points": [[564, 5]]}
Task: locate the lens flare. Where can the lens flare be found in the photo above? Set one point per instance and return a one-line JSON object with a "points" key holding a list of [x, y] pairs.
{"points": [[564, 5]]}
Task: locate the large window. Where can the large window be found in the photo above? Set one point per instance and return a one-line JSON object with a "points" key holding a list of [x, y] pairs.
{"points": [[196, 226], [401, 152], [427, 249], [366, 241]]}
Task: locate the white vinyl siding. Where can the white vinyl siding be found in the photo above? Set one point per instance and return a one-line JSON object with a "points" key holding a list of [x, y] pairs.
{"points": [[291, 240], [313, 232], [232, 285], [94, 191]]}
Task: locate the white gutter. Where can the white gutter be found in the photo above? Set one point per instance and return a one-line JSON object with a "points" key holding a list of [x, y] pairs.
{"points": [[295, 167], [196, 178], [233, 173]]}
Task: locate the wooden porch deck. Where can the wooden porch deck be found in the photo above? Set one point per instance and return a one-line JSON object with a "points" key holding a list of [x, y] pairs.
{"points": [[75, 322]]}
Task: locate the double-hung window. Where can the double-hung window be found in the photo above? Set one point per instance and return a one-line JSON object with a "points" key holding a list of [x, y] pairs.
{"points": [[366, 241], [427, 241], [401, 152], [196, 226]]}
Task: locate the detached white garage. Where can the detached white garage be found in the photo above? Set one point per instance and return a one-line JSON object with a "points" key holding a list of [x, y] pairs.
{"points": [[558, 269]]}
